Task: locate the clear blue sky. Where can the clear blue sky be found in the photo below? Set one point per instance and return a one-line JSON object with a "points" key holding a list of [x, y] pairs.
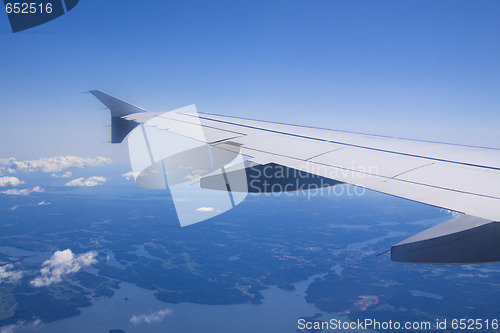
{"points": [[422, 69]]}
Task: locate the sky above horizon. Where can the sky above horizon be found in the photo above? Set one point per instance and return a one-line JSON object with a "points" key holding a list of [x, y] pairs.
{"points": [[418, 69]]}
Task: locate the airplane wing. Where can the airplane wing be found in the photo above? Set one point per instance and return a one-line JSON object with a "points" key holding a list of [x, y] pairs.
{"points": [[186, 150]]}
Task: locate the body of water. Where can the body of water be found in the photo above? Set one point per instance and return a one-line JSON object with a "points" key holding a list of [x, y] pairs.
{"points": [[279, 312]]}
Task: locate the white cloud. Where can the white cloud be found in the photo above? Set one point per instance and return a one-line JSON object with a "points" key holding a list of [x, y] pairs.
{"points": [[24, 191], [195, 174], [89, 182], [20, 324], [453, 213], [205, 209], [67, 174], [151, 318], [62, 263], [41, 203], [129, 175], [52, 164], [8, 275], [9, 181]]}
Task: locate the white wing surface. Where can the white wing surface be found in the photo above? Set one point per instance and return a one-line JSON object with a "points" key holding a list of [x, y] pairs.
{"points": [[250, 153]]}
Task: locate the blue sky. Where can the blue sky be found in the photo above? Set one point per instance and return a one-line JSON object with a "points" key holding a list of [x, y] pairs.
{"points": [[421, 69]]}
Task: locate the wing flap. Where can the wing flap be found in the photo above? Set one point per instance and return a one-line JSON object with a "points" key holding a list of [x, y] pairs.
{"points": [[286, 145], [462, 178], [375, 162], [459, 201]]}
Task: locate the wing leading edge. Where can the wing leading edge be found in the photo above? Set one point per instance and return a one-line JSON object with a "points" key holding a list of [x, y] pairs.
{"points": [[235, 156]]}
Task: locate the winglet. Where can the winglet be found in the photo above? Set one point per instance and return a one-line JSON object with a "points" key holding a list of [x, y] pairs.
{"points": [[119, 127]]}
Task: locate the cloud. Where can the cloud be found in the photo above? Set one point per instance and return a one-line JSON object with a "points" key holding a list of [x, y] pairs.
{"points": [[8, 275], [453, 213], [62, 263], [20, 324], [129, 175], [67, 174], [9, 181], [41, 203], [205, 209], [89, 182], [195, 174], [51, 164], [151, 318], [24, 191]]}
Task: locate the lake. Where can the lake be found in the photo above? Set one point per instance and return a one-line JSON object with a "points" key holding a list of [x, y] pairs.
{"points": [[279, 312]]}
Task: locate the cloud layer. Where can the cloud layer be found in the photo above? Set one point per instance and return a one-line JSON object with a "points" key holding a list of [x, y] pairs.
{"points": [[151, 318], [60, 264], [51, 164], [89, 182]]}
